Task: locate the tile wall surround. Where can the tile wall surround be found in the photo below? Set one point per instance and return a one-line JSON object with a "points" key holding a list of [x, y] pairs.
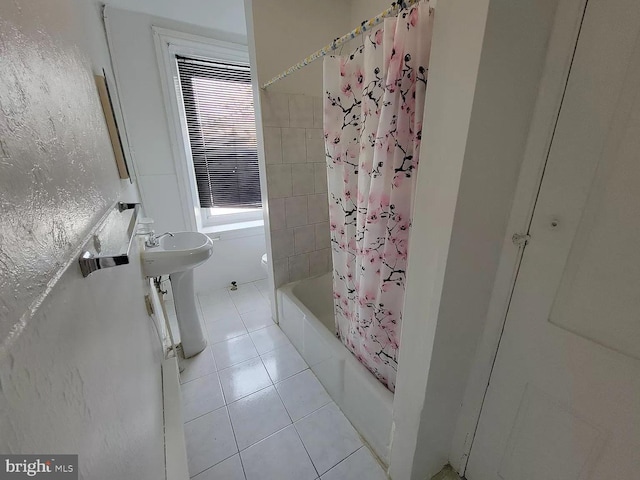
{"points": [[297, 186]]}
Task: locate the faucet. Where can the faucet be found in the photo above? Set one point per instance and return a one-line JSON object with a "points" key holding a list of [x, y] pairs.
{"points": [[154, 241]]}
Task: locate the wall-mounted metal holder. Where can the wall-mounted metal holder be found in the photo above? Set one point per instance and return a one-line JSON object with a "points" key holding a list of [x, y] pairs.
{"points": [[112, 241]]}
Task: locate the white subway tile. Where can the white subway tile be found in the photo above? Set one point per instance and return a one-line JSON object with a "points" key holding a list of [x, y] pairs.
{"points": [[300, 111], [320, 173], [275, 109], [294, 148], [277, 219], [318, 208], [296, 211], [323, 235], [273, 145], [303, 179], [279, 181], [304, 239], [282, 243], [298, 267], [315, 145]]}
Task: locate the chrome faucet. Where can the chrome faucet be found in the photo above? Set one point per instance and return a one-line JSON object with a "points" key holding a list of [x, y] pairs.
{"points": [[154, 241]]}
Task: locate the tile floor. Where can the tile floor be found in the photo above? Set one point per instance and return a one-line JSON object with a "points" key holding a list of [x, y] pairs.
{"points": [[253, 410]]}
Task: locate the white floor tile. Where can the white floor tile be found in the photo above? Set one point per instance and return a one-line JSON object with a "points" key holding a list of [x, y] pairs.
{"points": [[209, 440], [328, 437], [225, 329], [257, 416], [200, 396], [278, 457], [243, 290], [215, 296], [197, 366], [302, 394], [268, 338], [359, 466], [234, 351], [229, 469], [252, 301], [283, 362], [243, 379], [262, 285], [218, 311], [256, 319]]}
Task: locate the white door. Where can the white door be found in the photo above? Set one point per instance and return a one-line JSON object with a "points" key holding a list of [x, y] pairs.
{"points": [[564, 397]]}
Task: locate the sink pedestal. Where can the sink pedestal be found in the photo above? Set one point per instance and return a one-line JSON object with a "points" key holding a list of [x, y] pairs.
{"points": [[188, 313]]}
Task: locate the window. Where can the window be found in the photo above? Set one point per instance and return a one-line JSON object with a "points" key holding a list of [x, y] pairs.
{"points": [[218, 107]]}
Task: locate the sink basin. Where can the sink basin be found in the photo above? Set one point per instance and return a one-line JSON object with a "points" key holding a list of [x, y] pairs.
{"points": [[177, 256], [183, 251]]}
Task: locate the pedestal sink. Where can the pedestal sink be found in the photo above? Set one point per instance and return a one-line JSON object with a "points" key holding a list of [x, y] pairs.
{"points": [[177, 254]]}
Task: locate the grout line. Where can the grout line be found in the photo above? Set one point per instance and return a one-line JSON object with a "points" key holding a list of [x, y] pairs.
{"points": [[244, 472], [305, 449], [200, 378], [287, 377], [233, 430], [345, 459], [267, 437], [209, 468], [283, 404], [271, 434], [200, 416], [206, 413], [320, 408]]}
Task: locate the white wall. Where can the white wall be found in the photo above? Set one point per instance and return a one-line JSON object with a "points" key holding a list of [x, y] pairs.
{"points": [[225, 15], [79, 358], [287, 31], [361, 10], [482, 90], [135, 61], [234, 258]]}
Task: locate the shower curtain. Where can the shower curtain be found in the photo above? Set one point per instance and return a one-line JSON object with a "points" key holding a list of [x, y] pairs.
{"points": [[373, 106]]}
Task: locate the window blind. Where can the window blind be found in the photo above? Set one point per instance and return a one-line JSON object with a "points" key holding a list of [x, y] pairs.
{"points": [[218, 103]]}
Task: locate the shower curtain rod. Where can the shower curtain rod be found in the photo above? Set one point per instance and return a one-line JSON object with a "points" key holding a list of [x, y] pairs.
{"points": [[363, 27]]}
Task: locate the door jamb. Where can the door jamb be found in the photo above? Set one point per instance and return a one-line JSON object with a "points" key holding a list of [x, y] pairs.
{"points": [[553, 84]]}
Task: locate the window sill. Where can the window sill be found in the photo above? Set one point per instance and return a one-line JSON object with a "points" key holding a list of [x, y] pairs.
{"points": [[234, 230]]}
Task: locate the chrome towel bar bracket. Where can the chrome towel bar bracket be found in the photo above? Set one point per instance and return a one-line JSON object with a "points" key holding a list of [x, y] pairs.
{"points": [[111, 245]]}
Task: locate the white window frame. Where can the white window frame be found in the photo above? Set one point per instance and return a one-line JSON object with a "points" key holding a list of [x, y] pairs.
{"points": [[170, 43]]}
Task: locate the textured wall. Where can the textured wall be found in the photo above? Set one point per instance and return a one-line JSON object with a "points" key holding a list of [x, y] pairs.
{"points": [[79, 372], [56, 164]]}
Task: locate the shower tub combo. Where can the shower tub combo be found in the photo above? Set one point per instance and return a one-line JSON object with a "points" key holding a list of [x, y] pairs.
{"points": [[306, 316]]}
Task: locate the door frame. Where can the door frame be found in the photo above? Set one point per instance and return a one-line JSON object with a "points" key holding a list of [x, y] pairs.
{"points": [[560, 53]]}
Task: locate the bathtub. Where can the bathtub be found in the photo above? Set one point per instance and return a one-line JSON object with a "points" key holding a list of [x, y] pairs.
{"points": [[305, 313]]}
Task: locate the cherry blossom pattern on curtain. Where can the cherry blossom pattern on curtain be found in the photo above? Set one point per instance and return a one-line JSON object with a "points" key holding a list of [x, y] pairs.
{"points": [[373, 108]]}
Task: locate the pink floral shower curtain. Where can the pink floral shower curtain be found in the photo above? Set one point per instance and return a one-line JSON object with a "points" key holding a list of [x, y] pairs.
{"points": [[373, 106]]}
